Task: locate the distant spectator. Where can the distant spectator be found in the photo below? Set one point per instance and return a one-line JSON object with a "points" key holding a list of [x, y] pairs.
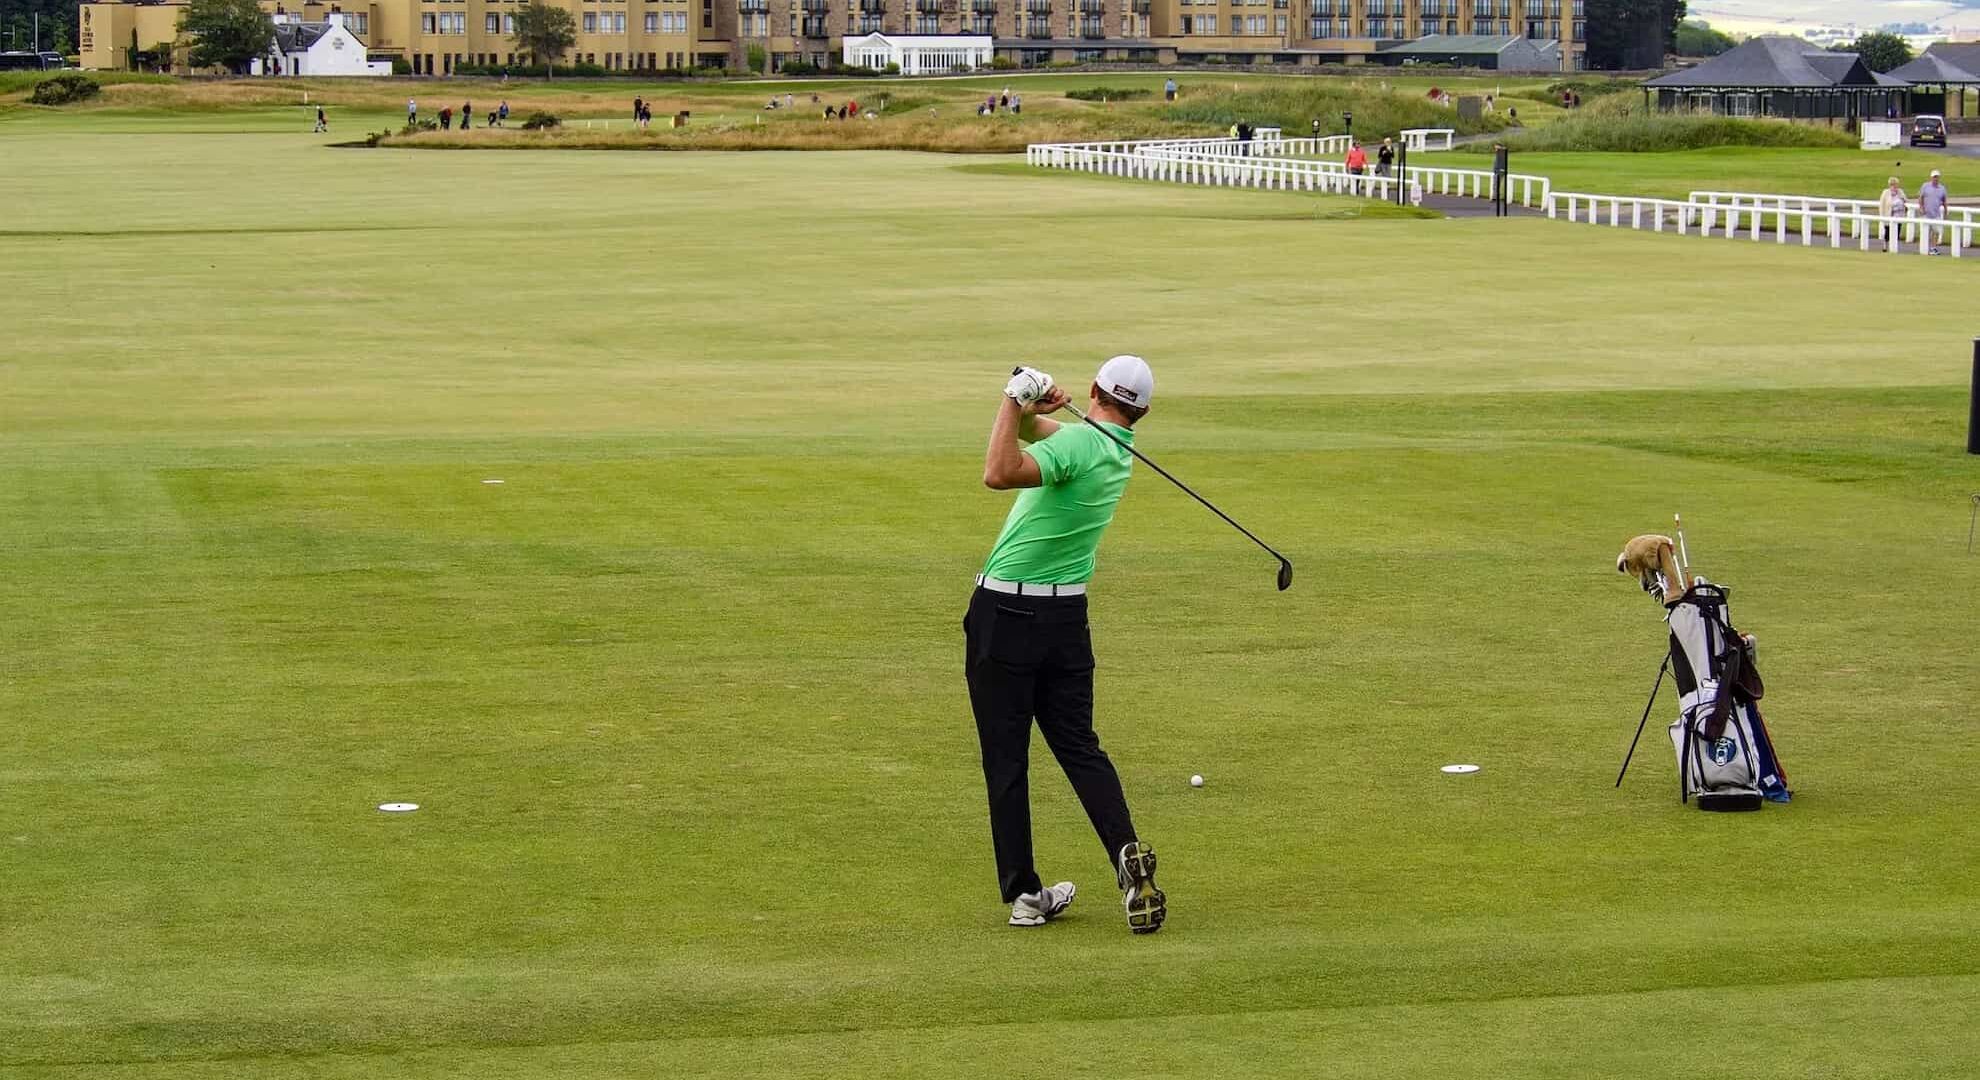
{"points": [[851, 110], [446, 118], [1512, 114], [1890, 110], [1169, 89], [504, 113], [1357, 159], [990, 104], [1244, 133], [1017, 104], [1385, 156], [491, 118], [1932, 207], [639, 107], [1005, 98], [790, 101], [467, 115], [324, 125], [1891, 204], [1575, 99], [412, 112]]}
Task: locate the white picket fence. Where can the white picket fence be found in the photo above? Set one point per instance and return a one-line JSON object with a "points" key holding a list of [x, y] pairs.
{"points": [[1810, 222], [1287, 164], [1304, 164], [1426, 139]]}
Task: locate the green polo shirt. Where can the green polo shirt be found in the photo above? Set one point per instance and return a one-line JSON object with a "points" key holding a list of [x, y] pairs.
{"points": [[1054, 529]]}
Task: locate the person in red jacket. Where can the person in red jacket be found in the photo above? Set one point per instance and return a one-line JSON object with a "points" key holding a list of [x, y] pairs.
{"points": [[1357, 160]]}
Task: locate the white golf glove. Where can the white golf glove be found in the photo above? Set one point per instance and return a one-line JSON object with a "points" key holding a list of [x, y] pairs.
{"points": [[1027, 385]]}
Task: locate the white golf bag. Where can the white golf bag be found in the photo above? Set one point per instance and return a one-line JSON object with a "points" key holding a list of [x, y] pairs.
{"points": [[1725, 756]]}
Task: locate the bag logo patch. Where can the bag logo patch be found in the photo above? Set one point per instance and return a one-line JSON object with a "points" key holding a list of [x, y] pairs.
{"points": [[1723, 751]]}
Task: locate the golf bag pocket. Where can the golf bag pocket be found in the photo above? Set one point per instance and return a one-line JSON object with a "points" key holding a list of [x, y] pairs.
{"points": [[1738, 764], [1724, 764]]}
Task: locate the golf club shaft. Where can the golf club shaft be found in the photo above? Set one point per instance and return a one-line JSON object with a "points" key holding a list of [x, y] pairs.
{"points": [[1654, 687], [1165, 475]]}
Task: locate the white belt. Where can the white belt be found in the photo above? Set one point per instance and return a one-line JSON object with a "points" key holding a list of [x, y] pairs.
{"points": [[1023, 588]]}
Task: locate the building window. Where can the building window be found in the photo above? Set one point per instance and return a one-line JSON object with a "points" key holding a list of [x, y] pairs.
{"points": [[491, 23], [1580, 31], [707, 14], [427, 21], [619, 23], [360, 22], [652, 22], [1280, 24]]}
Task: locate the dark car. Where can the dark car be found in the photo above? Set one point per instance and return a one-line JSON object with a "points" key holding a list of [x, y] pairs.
{"points": [[1928, 131]]}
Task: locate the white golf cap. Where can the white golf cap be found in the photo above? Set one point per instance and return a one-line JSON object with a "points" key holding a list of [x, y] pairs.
{"points": [[1935, 172], [1127, 380]]}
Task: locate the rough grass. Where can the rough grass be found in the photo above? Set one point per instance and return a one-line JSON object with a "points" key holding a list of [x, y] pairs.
{"points": [[1294, 107], [1618, 123], [948, 131]]}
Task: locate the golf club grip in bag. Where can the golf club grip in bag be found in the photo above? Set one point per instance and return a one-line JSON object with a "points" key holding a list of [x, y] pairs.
{"points": [[1725, 755]]}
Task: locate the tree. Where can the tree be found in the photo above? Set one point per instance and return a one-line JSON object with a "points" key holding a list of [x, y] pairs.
{"points": [[1631, 35], [545, 32], [1880, 51], [1695, 37], [227, 33]]}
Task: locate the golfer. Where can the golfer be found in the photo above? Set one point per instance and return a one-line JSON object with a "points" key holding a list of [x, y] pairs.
{"points": [[1029, 654]]}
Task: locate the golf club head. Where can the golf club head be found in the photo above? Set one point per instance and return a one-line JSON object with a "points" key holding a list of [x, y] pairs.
{"points": [[1285, 574]]}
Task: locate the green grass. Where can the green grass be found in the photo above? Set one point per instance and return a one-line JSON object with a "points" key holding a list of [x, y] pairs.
{"points": [[682, 701], [1856, 174]]}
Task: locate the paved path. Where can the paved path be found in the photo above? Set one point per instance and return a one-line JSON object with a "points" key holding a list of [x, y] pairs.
{"points": [[1460, 206]]}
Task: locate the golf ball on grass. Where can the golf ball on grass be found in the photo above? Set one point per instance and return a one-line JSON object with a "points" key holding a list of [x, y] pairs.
{"points": [[1196, 781]]}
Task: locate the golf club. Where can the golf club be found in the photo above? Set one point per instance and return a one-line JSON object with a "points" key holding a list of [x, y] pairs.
{"points": [[1285, 564]]}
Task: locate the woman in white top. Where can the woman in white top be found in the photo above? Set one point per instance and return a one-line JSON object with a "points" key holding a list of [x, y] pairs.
{"points": [[1891, 204]]}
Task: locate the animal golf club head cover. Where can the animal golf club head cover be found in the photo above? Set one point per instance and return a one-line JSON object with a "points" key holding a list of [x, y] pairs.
{"points": [[1652, 558]]}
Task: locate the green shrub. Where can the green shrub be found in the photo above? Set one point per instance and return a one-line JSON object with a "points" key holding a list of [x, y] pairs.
{"points": [[1002, 63], [1639, 132], [400, 66], [1109, 93], [542, 122], [798, 67], [65, 89], [893, 68]]}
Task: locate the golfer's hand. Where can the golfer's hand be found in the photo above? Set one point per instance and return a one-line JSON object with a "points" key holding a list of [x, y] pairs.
{"points": [[1027, 385], [1053, 400]]}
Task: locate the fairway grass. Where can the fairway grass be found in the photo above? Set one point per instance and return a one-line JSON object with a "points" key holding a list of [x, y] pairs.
{"points": [[681, 698]]}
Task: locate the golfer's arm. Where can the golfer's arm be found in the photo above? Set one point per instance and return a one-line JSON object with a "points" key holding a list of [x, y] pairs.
{"points": [[1004, 465], [1034, 427]]}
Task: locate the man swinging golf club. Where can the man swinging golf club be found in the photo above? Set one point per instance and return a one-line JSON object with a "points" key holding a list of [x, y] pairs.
{"points": [[1029, 653]]}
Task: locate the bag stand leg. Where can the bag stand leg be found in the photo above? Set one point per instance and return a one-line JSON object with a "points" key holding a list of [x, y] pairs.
{"points": [[1654, 687]]}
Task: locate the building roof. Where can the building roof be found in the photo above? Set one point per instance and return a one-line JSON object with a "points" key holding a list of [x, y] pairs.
{"points": [[298, 36], [1774, 62], [1934, 68], [1454, 45], [1964, 55]]}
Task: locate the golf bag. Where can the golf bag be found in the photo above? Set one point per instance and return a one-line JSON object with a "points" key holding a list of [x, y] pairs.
{"points": [[1725, 756]]}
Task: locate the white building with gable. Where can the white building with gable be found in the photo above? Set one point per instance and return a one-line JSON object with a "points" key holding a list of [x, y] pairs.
{"points": [[920, 54], [318, 48]]}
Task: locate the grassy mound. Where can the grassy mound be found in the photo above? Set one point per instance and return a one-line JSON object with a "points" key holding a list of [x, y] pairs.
{"points": [[934, 132], [1294, 107], [1614, 128]]}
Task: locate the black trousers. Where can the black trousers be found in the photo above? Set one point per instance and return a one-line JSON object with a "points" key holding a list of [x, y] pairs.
{"points": [[1031, 658]]}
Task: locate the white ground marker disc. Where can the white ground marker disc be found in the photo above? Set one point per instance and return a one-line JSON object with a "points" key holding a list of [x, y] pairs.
{"points": [[1460, 768], [398, 807], [491, 481]]}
